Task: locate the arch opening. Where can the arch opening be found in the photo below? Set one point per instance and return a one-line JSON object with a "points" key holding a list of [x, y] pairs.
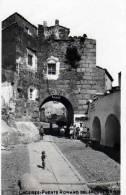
{"points": [[67, 104], [96, 126], [112, 132]]}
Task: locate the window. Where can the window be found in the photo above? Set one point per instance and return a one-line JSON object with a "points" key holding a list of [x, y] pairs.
{"points": [[27, 30], [52, 69], [53, 66], [31, 93], [30, 59]]}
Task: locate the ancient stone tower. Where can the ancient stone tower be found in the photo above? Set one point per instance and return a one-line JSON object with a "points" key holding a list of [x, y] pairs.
{"points": [[46, 64], [69, 66]]}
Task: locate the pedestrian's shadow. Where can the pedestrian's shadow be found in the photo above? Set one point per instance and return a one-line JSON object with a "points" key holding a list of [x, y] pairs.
{"points": [[39, 166]]}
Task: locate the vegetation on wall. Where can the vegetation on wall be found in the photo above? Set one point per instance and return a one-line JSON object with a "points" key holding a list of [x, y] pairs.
{"points": [[83, 38], [72, 56]]}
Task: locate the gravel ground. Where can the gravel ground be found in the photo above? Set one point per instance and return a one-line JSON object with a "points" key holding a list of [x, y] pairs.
{"points": [[94, 166], [14, 163]]}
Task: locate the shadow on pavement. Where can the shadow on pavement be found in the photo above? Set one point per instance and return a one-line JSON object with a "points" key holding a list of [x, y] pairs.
{"points": [[113, 153], [39, 166], [54, 132]]}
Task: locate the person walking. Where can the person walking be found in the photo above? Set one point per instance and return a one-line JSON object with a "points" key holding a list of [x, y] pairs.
{"points": [[74, 133], [77, 132], [43, 157], [81, 130], [71, 132], [41, 132], [88, 142]]}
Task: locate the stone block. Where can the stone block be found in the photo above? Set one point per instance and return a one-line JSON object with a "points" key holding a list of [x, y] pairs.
{"points": [[89, 45], [87, 73], [92, 65], [78, 82], [79, 96], [91, 62], [87, 69], [83, 91], [86, 86], [92, 49], [82, 81], [93, 74], [86, 96], [92, 41], [87, 77], [78, 69], [92, 91], [80, 108], [76, 91], [85, 65], [82, 58], [90, 54], [82, 102], [85, 107], [93, 69], [83, 69], [94, 78], [78, 85]]}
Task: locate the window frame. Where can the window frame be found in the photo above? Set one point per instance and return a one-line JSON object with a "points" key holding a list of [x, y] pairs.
{"points": [[52, 69], [32, 93], [30, 59], [32, 53], [53, 74]]}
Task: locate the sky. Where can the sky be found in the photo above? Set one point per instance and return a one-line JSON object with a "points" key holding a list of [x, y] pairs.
{"points": [[54, 108], [102, 20]]}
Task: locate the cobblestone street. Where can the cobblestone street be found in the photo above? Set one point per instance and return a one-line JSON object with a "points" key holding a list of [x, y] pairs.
{"points": [[70, 172], [93, 165], [61, 97]]}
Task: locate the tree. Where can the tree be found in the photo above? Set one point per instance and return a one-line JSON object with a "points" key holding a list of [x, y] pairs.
{"points": [[72, 56]]}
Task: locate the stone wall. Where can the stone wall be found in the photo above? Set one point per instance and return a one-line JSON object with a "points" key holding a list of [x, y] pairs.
{"points": [[21, 21], [79, 84], [76, 84], [56, 32], [9, 47], [24, 42]]}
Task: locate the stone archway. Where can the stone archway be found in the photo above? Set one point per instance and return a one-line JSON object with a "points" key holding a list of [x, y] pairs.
{"points": [[96, 126], [112, 131], [66, 103]]}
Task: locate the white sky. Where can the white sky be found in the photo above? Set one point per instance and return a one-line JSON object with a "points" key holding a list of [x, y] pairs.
{"points": [[54, 108], [102, 20]]}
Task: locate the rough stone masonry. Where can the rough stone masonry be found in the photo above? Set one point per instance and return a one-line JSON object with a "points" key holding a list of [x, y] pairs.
{"points": [[78, 77]]}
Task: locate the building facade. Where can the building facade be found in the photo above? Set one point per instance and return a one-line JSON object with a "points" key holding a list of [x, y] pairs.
{"points": [[104, 119], [46, 64]]}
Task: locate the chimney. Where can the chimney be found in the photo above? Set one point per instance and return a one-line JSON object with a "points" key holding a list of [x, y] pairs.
{"points": [[44, 23], [56, 22], [40, 31]]}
